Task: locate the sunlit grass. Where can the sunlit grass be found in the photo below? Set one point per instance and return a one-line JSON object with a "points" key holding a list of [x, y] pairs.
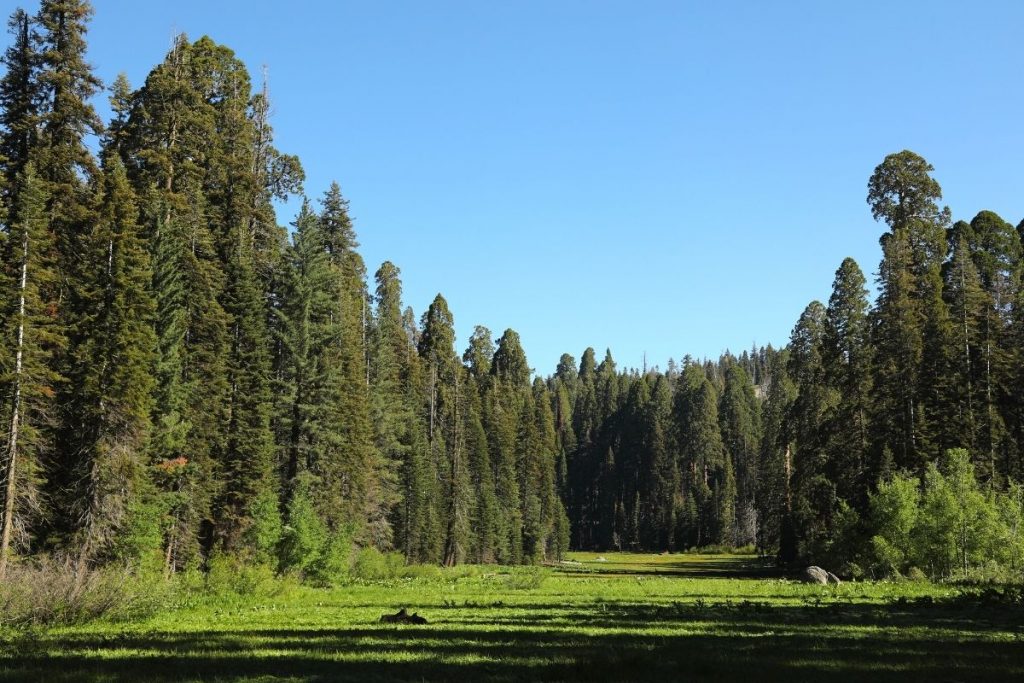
{"points": [[595, 617]]}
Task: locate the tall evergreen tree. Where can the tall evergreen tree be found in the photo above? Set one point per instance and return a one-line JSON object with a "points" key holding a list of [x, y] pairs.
{"points": [[33, 339], [912, 324], [111, 373], [708, 483], [740, 417], [21, 101], [446, 393], [847, 362], [363, 479]]}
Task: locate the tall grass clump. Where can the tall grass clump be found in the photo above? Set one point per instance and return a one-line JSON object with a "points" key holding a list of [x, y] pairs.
{"points": [[51, 591]]}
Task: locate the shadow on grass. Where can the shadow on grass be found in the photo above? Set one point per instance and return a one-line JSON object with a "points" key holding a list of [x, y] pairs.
{"points": [[737, 567], [743, 641]]}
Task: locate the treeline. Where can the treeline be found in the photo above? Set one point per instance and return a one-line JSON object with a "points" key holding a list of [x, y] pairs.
{"points": [[796, 451], [182, 377]]}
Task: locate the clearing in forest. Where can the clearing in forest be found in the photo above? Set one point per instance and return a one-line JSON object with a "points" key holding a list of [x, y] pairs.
{"points": [[610, 616]]}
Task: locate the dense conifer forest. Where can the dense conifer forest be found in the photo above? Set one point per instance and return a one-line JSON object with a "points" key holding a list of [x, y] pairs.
{"points": [[182, 377]]}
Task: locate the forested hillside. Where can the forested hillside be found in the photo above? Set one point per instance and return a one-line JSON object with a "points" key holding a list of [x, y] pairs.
{"points": [[182, 376]]}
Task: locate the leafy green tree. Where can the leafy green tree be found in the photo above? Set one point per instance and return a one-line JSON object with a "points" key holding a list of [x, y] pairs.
{"points": [[894, 515], [957, 525]]}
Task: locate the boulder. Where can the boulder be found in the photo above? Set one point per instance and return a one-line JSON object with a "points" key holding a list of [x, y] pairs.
{"points": [[832, 578], [814, 574]]}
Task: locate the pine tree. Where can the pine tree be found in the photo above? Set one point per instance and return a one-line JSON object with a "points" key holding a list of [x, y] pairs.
{"points": [[33, 339], [67, 117], [247, 506], [362, 481], [113, 358], [400, 431], [21, 100], [847, 361], [708, 491], [912, 324], [740, 417], [996, 250], [814, 501], [665, 494], [774, 502], [486, 521], [166, 141], [446, 392], [968, 304]]}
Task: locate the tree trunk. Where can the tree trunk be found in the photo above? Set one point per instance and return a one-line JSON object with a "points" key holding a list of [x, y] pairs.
{"points": [[10, 490]]}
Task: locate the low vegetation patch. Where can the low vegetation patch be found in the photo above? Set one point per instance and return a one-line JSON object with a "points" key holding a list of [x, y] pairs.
{"points": [[674, 617]]}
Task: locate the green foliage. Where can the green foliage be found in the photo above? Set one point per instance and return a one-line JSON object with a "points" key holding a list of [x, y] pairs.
{"points": [[371, 564], [527, 578], [304, 535], [894, 512], [945, 525], [264, 530], [187, 385], [232, 576]]}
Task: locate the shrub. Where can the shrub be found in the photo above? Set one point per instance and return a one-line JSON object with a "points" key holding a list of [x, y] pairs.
{"points": [[304, 536], [61, 592], [527, 578], [423, 571], [231, 575], [371, 565], [331, 566], [395, 563], [915, 574]]}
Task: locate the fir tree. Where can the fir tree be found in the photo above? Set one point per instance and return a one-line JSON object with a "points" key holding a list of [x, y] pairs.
{"points": [[33, 339], [847, 361], [113, 359]]}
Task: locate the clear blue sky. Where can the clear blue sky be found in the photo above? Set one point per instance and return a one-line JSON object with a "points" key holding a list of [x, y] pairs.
{"points": [[659, 177]]}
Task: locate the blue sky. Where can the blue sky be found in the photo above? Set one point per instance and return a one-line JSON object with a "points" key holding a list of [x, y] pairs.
{"points": [[654, 177]]}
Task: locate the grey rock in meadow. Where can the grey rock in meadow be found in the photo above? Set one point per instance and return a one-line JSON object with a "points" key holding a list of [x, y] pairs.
{"points": [[815, 575], [832, 578]]}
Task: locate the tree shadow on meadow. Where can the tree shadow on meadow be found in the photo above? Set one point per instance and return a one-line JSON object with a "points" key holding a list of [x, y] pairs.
{"points": [[743, 641], [695, 567]]}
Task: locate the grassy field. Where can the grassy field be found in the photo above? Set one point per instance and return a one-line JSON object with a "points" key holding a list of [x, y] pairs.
{"points": [[616, 617]]}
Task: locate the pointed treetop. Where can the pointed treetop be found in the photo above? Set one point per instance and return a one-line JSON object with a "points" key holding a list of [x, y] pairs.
{"points": [[510, 360], [338, 229]]}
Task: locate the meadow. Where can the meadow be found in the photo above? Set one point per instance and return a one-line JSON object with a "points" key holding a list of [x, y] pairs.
{"points": [[621, 617]]}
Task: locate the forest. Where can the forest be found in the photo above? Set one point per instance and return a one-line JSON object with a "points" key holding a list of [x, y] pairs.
{"points": [[183, 378]]}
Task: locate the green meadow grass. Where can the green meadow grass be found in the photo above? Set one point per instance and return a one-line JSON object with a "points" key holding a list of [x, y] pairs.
{"points": [[631, 617]]}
